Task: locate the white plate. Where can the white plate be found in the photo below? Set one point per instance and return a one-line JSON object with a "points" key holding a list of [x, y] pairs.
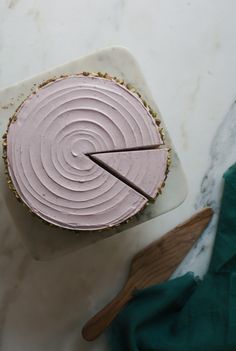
{"points": [[45, 242]]}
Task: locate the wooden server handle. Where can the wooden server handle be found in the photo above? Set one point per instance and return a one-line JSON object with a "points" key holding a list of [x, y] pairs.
{"points": [[97, 324]]}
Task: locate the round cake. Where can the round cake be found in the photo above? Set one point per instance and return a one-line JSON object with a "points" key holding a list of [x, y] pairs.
{"points": [[85, 152]]}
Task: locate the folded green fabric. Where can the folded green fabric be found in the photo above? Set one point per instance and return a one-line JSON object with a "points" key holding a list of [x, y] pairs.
{"points": [[186, 314]]}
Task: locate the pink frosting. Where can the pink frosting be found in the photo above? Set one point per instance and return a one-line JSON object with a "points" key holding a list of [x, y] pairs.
{"points": [[144, 170], [48, 145]]}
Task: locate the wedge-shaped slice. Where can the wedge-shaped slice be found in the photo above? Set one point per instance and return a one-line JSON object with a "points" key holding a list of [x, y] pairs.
{"points": [[143, 170]]}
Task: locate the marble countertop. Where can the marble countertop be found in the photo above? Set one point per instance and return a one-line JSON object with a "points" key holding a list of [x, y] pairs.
{"points": [[187, 51]]}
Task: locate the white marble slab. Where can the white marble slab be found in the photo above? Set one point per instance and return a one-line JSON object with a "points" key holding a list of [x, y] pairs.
{"points": [[187, 51], [45, 242]]}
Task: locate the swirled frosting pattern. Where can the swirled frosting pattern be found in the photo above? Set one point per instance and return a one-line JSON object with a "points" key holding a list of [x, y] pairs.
{"points": [[48, 143]]}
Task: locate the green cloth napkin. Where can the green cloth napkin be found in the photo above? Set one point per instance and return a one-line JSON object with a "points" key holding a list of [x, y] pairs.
{"points": [[186, 314]]}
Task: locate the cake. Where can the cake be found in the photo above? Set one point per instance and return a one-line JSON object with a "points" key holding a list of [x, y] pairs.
{"points": [[85, 152]]}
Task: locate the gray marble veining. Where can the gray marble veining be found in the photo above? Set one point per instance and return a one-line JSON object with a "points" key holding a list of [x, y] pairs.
{"points": [[222, 154]]}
